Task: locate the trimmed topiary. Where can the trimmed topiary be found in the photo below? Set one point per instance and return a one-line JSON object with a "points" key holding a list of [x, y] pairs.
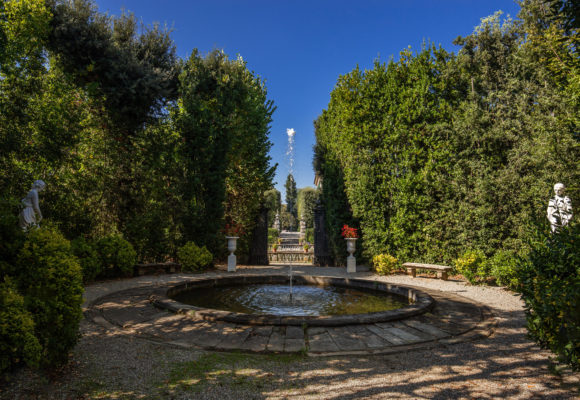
{"points": [[88, 258], [385, 264], [17, 341], [50, 279], [194, 258], [117, 256]]}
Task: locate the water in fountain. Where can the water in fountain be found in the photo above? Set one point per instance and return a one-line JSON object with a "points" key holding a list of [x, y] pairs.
{"points": [[290, 154], [290, 150]]}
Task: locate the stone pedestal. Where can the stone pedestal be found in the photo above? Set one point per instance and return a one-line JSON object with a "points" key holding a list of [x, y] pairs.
{"points": [[232, 244], [351, 264], [232, 263], [351, 259]]}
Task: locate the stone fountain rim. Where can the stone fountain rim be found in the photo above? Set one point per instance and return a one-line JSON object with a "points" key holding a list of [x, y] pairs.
{"points": [[422, 302]]}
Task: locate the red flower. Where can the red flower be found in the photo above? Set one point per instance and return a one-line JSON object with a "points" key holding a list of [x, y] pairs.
{"points": [[233, 229], [348, 232]]}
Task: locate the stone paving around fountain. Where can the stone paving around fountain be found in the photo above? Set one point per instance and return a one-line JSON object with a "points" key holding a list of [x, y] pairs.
{"points": [[124, 308]]}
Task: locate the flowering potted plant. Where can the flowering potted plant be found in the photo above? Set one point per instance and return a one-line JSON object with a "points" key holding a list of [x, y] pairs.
{"points": [[233, 230], [275, 247], [350, 235]]}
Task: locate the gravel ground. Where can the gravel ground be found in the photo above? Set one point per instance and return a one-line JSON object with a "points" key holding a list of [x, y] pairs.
{"points": [[109, 366]]}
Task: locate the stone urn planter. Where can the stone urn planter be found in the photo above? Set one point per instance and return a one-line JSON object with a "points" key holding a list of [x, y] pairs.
{"points": [[232, 244], [351, 259]]}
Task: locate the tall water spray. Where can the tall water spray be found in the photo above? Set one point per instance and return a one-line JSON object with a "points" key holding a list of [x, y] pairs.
{"points": [[290, 150], [290, 154]]}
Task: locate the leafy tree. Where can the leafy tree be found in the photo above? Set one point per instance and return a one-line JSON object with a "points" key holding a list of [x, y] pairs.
{"points": [[130, 72], [385, 130], [287, 220], [439, 153], [223, 119], [291, 198], [337, 208], [273, 202], [307, 198]]}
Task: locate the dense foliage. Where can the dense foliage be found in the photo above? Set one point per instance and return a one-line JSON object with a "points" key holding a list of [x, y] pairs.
{"points": [[223, 120], [438, 153], [17, 341], [273, 202], [551, 290], [307, 198], [440, 157], [50, 280], [291, 200], [141, 152], [91, 264], [116, 255]]}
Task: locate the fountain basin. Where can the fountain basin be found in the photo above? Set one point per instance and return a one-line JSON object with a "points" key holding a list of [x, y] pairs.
{"points": [[419, 302]]}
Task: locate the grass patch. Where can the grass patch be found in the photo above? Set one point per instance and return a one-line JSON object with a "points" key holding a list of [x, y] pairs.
{"points": [[252, 373]]}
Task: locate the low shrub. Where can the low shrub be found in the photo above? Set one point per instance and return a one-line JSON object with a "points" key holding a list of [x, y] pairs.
{"points": [[471, 265], [117, 256], [503, 266], [385, 264], [194, 258], [550, 287], [50, 280], [17, 341], [88, 259]]}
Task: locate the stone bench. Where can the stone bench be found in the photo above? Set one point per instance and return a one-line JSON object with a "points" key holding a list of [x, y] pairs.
{"points": [[156, 268], [441, 269]]}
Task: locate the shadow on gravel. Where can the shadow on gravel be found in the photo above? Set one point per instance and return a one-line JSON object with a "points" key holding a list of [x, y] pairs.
{"points": [[113, 365]]}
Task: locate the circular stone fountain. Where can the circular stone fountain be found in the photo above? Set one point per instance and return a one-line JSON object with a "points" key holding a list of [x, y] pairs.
{"points": [[132, 308], [310, 300]]}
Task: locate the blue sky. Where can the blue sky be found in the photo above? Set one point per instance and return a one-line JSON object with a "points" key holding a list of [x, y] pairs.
{"points": [[301, 47]]}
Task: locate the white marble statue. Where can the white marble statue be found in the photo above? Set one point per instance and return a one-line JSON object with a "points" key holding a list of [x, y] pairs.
{"points": [[31, 216], [559, 208]]}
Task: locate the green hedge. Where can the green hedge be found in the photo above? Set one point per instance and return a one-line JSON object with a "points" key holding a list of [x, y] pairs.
{"points": [[17, 341], [550, 287], [50, 280]]}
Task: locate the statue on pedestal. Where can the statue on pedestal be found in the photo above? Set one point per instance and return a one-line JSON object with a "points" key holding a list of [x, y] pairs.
{"points": [[30, 216], [559, 208]]}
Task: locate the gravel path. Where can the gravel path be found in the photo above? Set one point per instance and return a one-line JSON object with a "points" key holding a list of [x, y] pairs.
{"points": [[506, 365]]}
